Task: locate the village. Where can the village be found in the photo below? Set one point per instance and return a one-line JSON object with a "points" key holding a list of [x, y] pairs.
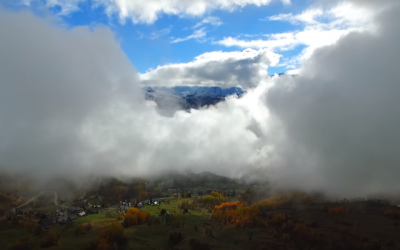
{"points": [[68, 211]]}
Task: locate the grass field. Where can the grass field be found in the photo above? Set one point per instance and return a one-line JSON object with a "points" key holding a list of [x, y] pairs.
{"points": [[90, 218]]}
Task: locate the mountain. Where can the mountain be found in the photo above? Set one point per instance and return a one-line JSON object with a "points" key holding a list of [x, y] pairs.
{"points": [[189, 97]]}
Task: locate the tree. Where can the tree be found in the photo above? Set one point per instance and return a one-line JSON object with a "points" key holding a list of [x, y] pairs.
{"points": [[143, 195], [24, 244], [51, 239], [108, 214], [112, 235], [80, 230], [135, 216]]}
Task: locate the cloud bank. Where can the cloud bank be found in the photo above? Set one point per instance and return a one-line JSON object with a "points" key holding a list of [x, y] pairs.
{"points": [[71, 102], [341, 114], [149, 11]]}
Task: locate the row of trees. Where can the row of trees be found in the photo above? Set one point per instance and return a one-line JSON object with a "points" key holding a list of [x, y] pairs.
{"points": [[234, 213]]}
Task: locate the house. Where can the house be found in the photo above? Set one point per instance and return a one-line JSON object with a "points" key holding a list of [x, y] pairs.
{"points": [[139, 205], [75, 210], [72, 217], [81, 214], [147, 202], [62, 219], [125, 208]]}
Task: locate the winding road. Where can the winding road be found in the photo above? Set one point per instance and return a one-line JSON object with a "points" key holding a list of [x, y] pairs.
{"points": [[55, 199]]}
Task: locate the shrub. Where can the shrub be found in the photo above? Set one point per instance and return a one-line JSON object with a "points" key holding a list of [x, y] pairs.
{"points": [[278, 218], [392, 214], [24, 244], [302, 229], [175, 238], [286, 237], [338, 210]]}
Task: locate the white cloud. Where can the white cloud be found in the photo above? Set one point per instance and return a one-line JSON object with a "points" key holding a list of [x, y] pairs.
{"points": [[215, 21], [321, 27], [276, 41], [307, 17], [196, 35], [226, 69], [157, 34], [140, 11]]}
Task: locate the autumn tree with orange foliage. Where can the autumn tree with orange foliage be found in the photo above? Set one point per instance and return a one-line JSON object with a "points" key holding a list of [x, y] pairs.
{"points": [[234, 213], [134, 216], [226, 205]]}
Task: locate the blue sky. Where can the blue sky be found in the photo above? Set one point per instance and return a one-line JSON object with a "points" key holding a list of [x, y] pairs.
{"points": [[152, 38]]}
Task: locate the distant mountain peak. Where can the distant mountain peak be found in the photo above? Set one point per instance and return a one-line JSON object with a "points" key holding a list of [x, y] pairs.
{"points": [[189, 97]]}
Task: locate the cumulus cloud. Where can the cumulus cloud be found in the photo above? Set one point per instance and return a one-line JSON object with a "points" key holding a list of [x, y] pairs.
{"points": [[51, 81], [149, 11], [339, 115], [226, 69], [71, 103]]}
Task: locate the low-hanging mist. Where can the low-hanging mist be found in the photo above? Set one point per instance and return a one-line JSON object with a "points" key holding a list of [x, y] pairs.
{"points": [[72, 104]]}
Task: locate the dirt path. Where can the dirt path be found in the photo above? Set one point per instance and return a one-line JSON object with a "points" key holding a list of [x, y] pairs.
{"points": [[228, 246], [83, 195]]}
